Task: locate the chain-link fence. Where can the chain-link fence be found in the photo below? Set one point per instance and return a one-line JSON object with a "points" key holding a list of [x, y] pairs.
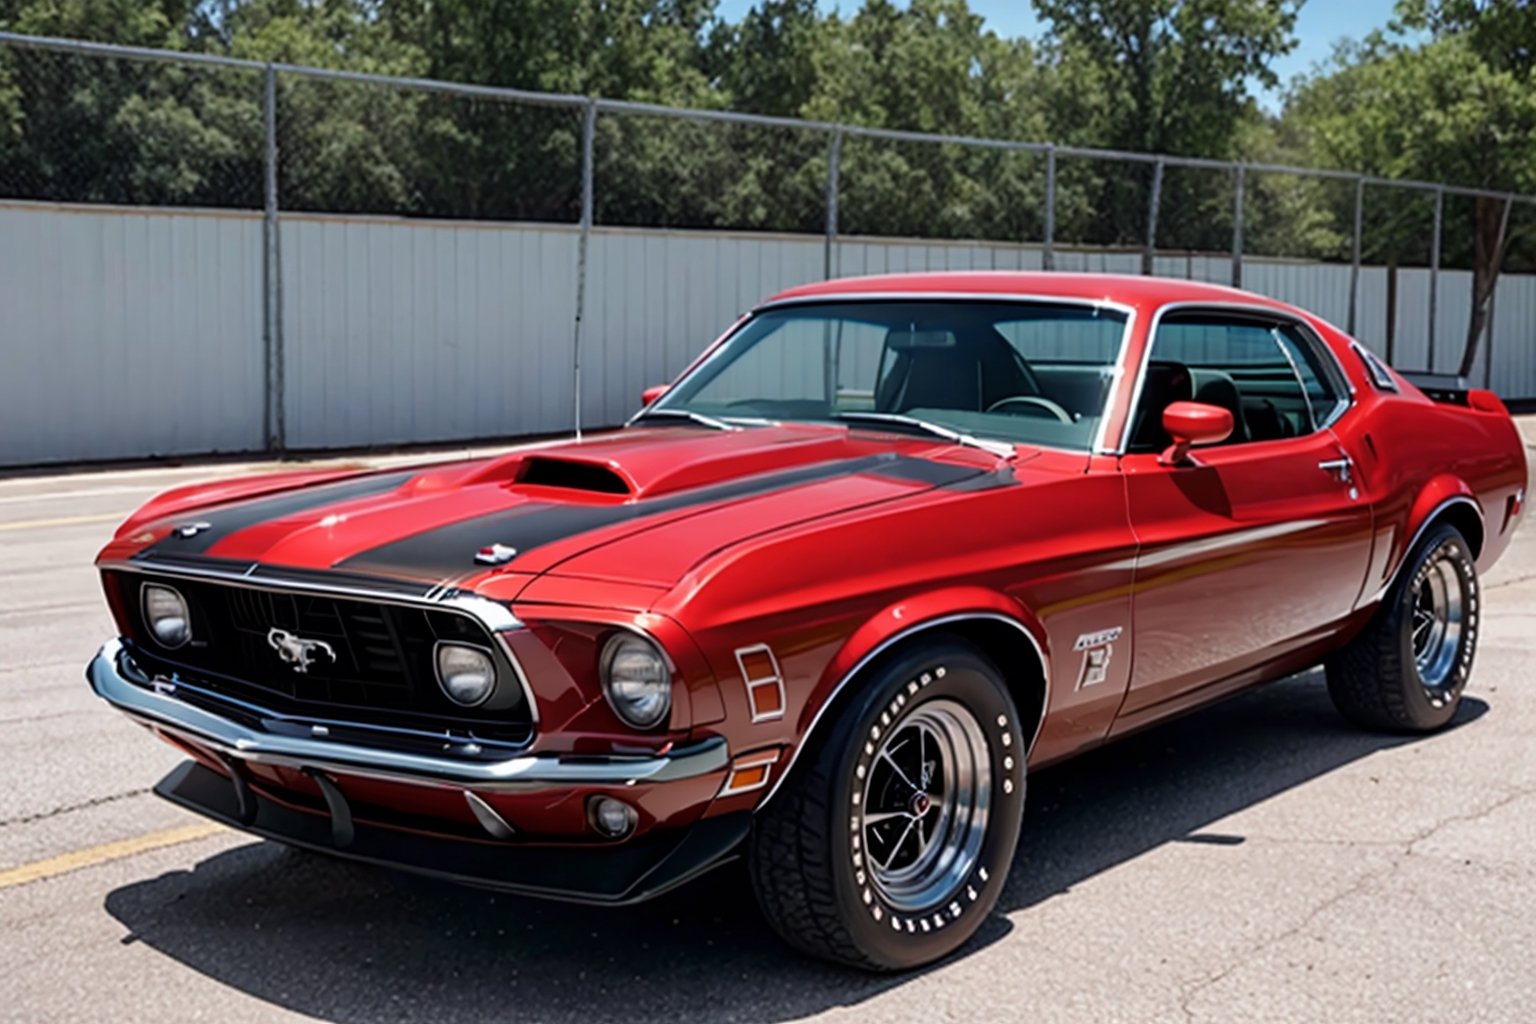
{"points": [[85, 123]]}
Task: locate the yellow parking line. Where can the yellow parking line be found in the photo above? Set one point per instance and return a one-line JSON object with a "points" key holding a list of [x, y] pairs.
{"points": [[74, 861], [34, 524]]}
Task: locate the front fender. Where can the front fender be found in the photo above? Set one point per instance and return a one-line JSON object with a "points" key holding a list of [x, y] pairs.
{"points": [[900, 621], [913, 615]]}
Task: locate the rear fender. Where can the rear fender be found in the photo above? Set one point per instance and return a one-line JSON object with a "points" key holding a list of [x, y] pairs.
{"points": [[1445, 497]]}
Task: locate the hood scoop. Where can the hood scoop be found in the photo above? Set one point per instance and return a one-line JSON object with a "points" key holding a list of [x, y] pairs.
{"points": [[639, 463], [572, 475]]}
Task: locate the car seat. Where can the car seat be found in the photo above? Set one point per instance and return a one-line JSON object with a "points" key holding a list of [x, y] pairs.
{"points": [[1216, 387], [1165, 382]]}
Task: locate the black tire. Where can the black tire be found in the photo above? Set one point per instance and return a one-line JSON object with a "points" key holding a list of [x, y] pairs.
{"points": [[1378, 681], [813, 856]]}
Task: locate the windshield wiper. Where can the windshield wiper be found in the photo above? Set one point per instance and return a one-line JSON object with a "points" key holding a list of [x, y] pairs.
{"points": [[682, 414], [998, 448]]}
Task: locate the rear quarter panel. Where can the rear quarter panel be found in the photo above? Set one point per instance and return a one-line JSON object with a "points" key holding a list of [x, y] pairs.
{"points": [[1414, 454]]}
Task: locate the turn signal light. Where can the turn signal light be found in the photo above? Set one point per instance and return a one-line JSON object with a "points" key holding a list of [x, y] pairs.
{"points": [[749, 773]]}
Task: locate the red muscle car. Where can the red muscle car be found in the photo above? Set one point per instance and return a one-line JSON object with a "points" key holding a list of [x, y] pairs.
{"points": [[884, 547]]}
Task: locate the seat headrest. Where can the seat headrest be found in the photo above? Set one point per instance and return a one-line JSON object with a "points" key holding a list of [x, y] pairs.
{"points": [[1164, 383]]}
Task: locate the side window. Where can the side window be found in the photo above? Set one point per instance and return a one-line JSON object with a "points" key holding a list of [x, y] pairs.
{"points": [[1327, 394], [1265, 374]]}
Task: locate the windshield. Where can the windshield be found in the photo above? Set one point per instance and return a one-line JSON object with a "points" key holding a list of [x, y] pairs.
{"points": [[1027, 372]]}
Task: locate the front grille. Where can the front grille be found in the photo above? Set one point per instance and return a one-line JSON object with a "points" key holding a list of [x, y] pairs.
{"points": [[383, 672]]}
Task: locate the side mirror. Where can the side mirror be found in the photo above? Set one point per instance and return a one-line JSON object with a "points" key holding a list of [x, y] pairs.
{"points": [[1190, 424], [652, 393]]}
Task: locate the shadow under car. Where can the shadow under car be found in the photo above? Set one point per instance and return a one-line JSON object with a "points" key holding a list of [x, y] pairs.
{"points": [[347, 942]]}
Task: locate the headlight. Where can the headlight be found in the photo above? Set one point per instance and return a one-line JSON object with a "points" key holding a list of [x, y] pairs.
{"points": [[166, 612], [636, 680], [466, 674]]}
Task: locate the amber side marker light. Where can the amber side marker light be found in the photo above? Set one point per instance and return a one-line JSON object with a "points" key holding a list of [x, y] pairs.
{"points": [[749, 773]]}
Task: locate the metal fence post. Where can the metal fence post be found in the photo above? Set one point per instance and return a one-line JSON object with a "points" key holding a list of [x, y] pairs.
{"points": [[834, 169], [1149, 254], [1354, 254], [1434, 273], [274, 432], [1493, 292], [1237, 227], [1488, 342], [1048, 250], [588, 149]]}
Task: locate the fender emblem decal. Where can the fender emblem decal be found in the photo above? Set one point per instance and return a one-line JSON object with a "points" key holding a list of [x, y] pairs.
{"points": [[1099, 639], [1098, 648]]}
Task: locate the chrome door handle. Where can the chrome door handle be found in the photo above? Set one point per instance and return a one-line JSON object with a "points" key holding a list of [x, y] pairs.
{"points": [[1340, 466]]}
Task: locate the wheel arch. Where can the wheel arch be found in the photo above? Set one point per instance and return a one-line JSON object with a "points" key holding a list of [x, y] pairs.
{"points": [[1444, 500], [1467, 519], [1005, 632]]}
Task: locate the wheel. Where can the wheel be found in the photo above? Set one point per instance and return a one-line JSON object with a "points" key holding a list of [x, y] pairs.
{"points": [[1406, 671], [889, 847]]}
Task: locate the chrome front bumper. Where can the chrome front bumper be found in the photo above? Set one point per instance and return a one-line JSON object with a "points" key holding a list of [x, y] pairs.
{"points": [[119, 681]]}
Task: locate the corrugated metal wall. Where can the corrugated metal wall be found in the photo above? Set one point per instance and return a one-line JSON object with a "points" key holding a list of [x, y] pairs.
{"points": [[398, 333], [656, 298], [133, 332], [125, 333]]}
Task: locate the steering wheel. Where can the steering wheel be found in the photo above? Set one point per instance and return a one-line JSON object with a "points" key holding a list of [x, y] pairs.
{"points": [[1035, 404]]}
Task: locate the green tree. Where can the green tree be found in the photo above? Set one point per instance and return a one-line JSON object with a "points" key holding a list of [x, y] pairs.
{"points": [[1502, 32], [1157, 76], [1174, 72], [931, 66], [111, 130], [1444, 111], [766, 63]]}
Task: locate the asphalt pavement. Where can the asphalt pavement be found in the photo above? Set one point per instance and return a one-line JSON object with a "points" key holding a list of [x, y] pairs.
{"points": [[1257, 861]]}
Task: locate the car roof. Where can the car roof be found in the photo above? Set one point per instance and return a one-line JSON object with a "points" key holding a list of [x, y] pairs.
{"points": [[1126, 289]]}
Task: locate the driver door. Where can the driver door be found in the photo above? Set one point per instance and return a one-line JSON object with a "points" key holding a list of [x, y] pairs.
{"points": [[1260, 547]]}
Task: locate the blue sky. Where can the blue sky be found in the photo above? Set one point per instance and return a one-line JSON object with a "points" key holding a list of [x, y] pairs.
{"points": [[1320, 25]]}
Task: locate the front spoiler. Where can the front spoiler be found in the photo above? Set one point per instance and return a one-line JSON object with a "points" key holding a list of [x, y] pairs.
{"points": [[119, 681], [617, 874]]}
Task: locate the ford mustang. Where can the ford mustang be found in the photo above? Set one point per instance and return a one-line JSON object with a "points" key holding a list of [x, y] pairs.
{"points": [[885, 547]]}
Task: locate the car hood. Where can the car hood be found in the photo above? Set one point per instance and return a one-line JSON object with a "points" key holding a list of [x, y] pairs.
{"points": [[490, 523]]}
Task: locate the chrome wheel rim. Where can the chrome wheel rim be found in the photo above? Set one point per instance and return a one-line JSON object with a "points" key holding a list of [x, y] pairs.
{"points": [[926, 798], [1437, 621]]}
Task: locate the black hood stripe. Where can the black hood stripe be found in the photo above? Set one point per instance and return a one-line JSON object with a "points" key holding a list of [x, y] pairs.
{"points": [[222, 522], [447, 550]]}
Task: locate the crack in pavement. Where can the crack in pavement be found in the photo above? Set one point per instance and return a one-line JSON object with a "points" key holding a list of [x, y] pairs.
{"points": [[1509, 583], [29, 819], [28, 719], [1189, 990]]}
